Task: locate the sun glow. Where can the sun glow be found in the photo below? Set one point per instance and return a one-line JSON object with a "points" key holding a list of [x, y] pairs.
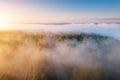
{"points": [[3, 23]]}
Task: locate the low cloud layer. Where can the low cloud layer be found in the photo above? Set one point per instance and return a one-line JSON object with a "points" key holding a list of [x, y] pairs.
{"points": [[112, 30]]}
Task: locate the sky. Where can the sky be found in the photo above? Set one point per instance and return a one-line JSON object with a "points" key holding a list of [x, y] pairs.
{"points": [[51, 11]]}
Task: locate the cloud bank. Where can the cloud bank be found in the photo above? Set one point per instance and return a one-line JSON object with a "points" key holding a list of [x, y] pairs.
{"points": [[112, 30]]}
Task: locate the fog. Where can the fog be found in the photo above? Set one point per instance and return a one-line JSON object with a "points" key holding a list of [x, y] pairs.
{"points": [[23, 59], [107, 29]]}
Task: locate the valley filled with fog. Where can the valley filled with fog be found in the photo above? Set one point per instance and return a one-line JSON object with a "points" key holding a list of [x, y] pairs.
{"points": [[60, 52]]}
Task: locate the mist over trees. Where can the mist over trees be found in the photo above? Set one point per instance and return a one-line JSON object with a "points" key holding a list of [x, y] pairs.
{"points": [[63, 56]]}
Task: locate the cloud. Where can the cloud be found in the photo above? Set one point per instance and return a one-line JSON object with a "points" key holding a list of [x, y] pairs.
{"points": [[111, 30]]}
